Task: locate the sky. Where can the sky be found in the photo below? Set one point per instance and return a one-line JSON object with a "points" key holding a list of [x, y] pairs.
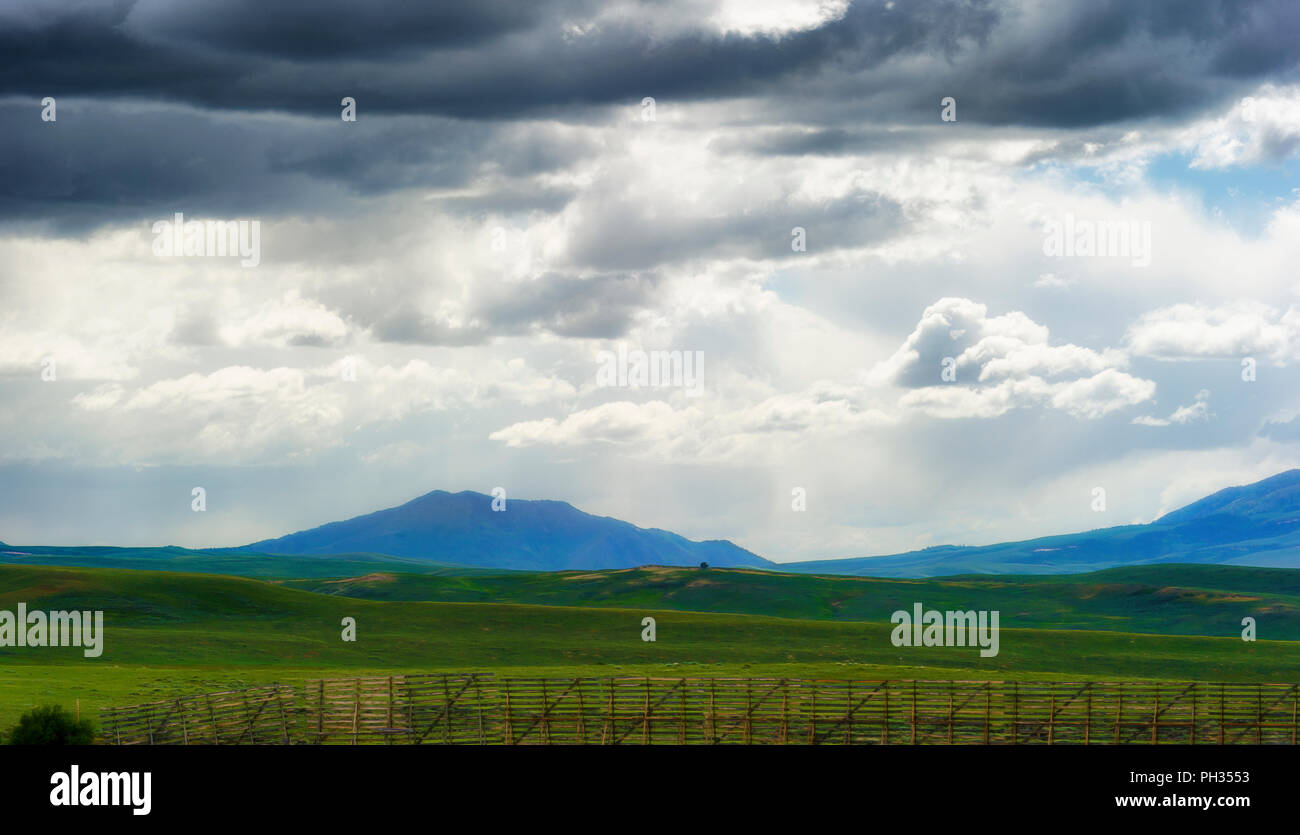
{"points": [[945, 269]]}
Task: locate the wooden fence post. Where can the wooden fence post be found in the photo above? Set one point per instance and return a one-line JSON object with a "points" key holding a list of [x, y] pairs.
{"points": [[446, 710], [582, 712], [912, 741], [1051, 719], [681, 735], [1015, 713], [749, 708], [1155, 716], [1119, 709], [713, 711], [284, 721], [509, 729], [645, 721], [951, 715], [884, 725], [388, 738], [988, 709], [1087, 719], [609, 725], [356, 710], [812, 719], [1223, 716], [546, 715], [1259, 714]]}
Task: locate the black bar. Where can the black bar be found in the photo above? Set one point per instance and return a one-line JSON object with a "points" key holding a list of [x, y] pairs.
{"points": [[633, 784]]}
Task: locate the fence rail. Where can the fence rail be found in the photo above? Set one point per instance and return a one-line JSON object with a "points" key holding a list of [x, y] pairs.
{"points": [[254, 716], [478, 709]]}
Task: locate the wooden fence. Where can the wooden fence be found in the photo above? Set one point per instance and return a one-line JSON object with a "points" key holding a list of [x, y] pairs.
{"points": [[449, 709], [478, 709], [260, 715]]}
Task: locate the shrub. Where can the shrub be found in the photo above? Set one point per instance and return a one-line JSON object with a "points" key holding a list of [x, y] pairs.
{"points": [[51, 725]]}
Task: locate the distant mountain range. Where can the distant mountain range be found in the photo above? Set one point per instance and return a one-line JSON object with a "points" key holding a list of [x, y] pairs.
{"points": [[462, 528], [1255, 525], [458, 533]]}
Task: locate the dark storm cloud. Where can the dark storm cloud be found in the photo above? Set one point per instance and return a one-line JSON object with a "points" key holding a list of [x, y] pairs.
{"points": [[1084, 63], [431, 66], [455, 61], [513, 199], [567, 305], [332, 29], [437, 86], [599, 307], [1059, 65], [624, 232], [408, 325], [1113, 60], [105, 162], [99, 163], [819, 142]]}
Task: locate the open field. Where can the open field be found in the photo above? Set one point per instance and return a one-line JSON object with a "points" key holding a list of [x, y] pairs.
{"points": [[1206, 600], [170, 633], [1177, 600], [223, 561]]}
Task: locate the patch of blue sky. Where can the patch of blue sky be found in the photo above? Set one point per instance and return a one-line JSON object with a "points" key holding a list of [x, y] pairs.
{"points": [[1243, 197]]}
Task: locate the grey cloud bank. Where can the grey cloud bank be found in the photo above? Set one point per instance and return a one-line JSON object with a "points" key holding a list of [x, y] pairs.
{"points": [[436, 280]]}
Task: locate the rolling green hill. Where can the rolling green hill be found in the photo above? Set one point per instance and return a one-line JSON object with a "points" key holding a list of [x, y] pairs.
{"points": [[237, 563], [168, 632], [1169, 600]]}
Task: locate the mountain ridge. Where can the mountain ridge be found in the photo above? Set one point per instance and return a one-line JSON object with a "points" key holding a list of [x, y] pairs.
{"points": [[1255, 524], [534, 534]]}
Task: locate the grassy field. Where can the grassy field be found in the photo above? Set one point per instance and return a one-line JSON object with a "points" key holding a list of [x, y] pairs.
{"points": [[1178, 600], [233, 563], [175, 632]]}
